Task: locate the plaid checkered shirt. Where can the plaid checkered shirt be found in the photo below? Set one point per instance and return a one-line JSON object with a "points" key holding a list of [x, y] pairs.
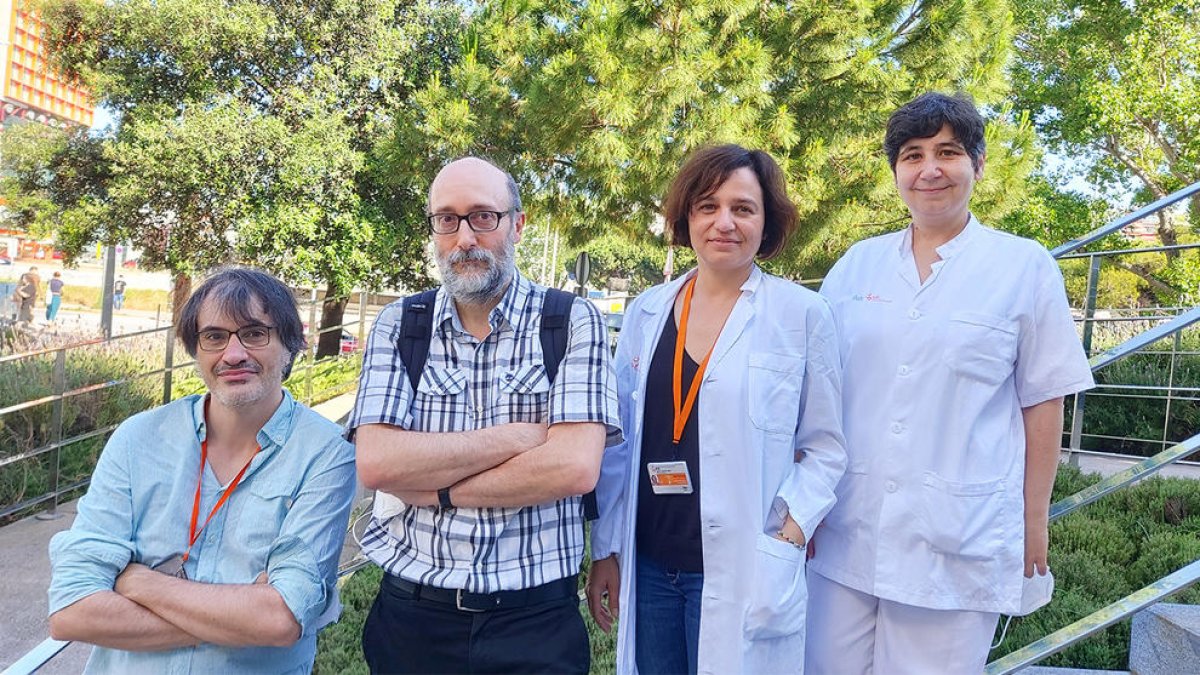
{"points": [[469, 384]]}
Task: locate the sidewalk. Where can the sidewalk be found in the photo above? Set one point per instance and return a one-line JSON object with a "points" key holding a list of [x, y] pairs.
{"points": [[25, 570]]}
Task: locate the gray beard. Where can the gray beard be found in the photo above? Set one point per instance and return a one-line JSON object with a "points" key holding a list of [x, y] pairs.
{"points": [[482, 287]]}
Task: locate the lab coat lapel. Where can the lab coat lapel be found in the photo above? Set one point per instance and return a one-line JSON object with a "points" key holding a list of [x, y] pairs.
{"points": [[738, 319]]}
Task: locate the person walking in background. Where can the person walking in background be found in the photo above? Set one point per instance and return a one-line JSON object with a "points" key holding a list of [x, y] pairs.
{"points": [[480, 445], [119, 292], [729, 385], [26, 294], [957, 347], [55, 298]]}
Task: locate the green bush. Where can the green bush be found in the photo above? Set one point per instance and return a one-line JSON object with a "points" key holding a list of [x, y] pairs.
{"points": [[1105, 551], [31, 428]]}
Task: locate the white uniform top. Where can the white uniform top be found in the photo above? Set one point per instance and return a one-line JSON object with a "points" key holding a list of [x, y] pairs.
{"points": [[930, 511]]}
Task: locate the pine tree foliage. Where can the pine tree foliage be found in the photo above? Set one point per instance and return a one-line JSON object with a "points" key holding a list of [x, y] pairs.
{"points": [[596, 104]]}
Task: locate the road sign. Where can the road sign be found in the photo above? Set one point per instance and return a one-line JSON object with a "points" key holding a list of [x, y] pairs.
{"points": [[583, 268]]}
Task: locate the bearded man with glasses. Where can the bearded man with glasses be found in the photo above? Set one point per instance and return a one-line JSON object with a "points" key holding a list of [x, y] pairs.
{"points": [[480, 442], [209, 538]]}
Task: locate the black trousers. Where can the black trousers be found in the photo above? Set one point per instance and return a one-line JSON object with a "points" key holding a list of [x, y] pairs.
{"points": [[403, 635]]}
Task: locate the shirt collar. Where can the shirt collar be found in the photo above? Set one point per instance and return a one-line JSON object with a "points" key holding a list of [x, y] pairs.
{"points": [[507, 312], [948, 249], [274, 432]]}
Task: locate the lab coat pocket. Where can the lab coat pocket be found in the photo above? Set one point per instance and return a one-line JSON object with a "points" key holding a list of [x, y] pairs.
{"points": [[962, 519], [775, 383], [780, 593], [981, 346]]}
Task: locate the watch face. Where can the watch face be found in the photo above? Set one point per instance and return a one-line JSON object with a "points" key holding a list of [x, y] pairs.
{"points": [[172, 566]]}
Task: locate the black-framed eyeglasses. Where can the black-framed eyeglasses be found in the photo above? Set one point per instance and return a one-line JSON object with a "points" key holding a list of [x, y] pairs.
{"points": [[251, 337], [480, 221]]}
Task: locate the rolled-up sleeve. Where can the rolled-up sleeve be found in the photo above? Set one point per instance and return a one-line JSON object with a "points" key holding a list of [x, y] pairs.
{"points": [[384, 392], [585, 389], [303, 561], [87, 558], [807, 494]]}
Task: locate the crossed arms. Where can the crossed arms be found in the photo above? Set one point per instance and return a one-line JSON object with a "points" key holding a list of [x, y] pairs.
{"points": [[508, 465]]}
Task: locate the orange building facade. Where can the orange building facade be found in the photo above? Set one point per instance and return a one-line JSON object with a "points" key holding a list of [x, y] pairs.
{"points": [[31, 90]]}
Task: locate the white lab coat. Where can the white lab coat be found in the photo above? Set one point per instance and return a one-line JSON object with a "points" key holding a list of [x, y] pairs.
{"points": [[931, 510], [772, 389]]}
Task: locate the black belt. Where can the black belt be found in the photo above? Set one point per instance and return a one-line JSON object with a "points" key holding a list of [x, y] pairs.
{"points": [[567, 587]]}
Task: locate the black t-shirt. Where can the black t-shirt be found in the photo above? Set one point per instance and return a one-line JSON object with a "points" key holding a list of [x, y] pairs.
{"points": [[668, 526]]}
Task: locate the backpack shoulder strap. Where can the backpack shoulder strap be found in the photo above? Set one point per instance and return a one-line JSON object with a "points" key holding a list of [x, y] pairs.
{"points": [[556, 327], [416, 330]]}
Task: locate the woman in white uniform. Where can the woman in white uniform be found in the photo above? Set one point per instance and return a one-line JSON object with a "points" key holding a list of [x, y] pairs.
{"points": [[957, 347], [730, 395]]}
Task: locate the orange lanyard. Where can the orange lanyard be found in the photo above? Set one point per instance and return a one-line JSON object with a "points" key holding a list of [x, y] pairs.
{"points": [[194, 534], [682, 412]]}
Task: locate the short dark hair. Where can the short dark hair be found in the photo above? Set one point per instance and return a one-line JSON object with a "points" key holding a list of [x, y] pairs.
{"points": [[703, 173], [924, 117], [235, 290]]}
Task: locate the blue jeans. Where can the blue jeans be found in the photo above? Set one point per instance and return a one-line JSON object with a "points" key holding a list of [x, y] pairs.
{"points": [[52, 307], [668, 618], [118, 300]]}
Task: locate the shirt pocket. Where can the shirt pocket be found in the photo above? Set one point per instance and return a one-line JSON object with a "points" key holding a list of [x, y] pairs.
{"points": [[780, 591], [438, 382], [775, 382], [525, 392], [981, 346], [962, 519], [266, 507]]}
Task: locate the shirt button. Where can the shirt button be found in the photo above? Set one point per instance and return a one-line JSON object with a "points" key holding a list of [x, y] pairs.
{"points": [[914, 314], [891, 486], [508, 376], [903, 370], [478, 410], [634, 396], [897, 427]]}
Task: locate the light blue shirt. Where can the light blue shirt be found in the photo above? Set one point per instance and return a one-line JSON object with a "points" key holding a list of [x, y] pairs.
{"points": [[288, 516]]}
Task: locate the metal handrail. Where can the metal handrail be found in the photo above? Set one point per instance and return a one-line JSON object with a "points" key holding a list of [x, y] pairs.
{"points": [[1143, 469], [1095, 622], [1145, 338], [1126, 220]]}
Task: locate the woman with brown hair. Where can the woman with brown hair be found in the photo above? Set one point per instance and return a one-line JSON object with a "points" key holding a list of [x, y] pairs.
{"points": [[730, 395]]}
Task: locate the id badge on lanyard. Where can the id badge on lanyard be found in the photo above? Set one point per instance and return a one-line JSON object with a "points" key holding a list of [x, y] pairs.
{"points": [[669, 478]]}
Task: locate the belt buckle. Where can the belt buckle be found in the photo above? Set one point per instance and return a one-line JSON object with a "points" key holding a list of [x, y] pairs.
{"points": [[458, 595]]}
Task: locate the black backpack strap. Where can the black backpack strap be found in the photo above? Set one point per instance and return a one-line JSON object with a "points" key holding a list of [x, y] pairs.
{"points": [[416, 330], [556, 327]]}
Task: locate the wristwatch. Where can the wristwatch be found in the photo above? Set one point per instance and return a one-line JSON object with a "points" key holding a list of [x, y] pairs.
{"points": [[444, 498]]}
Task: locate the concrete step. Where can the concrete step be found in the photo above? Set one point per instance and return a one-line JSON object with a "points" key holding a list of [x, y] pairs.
{"points": [[1165, 640]]}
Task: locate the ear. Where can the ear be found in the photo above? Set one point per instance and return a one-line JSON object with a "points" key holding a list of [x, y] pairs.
{"points": [[518, 226], [979, 169]]}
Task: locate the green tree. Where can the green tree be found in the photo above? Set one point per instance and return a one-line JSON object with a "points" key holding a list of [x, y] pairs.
{"points": [[244, 131], [1116, 85], [594, 105]]}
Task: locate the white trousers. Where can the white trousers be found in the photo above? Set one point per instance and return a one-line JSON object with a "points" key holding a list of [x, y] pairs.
{"points": [[853, 633]]}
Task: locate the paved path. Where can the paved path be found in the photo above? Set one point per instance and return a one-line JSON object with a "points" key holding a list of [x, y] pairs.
{"points": [[25, 576]]}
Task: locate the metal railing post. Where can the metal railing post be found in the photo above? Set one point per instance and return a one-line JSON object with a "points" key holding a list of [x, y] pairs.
{"points": [[56, 432], [1171, 386], [1089, 317], [313, 336], [169, 366], [362, 318]]}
